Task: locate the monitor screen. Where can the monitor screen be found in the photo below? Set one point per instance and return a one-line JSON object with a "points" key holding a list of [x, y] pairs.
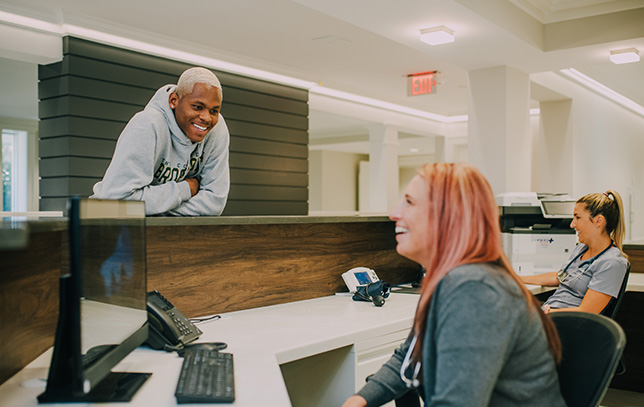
{"points": [[103, 313], [557, 209]]}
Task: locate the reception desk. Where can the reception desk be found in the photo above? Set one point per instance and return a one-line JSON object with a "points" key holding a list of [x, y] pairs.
{"points": [[311, 352], [203, 265], [241, 266]]}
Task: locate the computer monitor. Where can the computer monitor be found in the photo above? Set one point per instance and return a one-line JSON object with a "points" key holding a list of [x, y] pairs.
{"points": [[102, 309]]}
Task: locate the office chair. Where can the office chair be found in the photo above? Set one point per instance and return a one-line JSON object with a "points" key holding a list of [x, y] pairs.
{"points": [[611, 311], [613, 305], [591, 348]]}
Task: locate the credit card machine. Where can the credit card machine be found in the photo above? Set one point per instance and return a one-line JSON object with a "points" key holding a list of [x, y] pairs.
{"points": [[358, 276]]}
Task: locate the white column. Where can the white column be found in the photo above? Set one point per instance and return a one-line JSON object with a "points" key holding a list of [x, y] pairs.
{"points": [[552, 169], [439, 149], [499, 127], [383, 168]]}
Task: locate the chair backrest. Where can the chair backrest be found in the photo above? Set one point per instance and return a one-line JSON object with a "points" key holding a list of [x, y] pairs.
{"points": [[591, 349], [613, 306]]}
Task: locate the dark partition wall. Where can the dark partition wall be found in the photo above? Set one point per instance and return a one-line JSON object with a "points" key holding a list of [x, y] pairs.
{"points": [[88, 97]]}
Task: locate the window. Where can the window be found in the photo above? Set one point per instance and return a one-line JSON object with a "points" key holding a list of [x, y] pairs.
{"points": [[15, 170]]}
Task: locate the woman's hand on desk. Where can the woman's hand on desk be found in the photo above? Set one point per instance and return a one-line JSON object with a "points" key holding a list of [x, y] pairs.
{"points": [[355, 401], [546, 279]]}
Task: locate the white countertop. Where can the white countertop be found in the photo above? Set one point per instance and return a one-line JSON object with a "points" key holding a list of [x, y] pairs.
{"points": [[260, 339]]}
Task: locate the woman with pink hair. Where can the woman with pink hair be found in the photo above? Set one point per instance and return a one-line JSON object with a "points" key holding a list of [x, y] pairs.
{"points": [[479, 337]]}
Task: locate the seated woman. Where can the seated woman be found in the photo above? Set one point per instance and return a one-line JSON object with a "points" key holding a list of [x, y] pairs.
{"points": [[479, 338], [597, 266]]}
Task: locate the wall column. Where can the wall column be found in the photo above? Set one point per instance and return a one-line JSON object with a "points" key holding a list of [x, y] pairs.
{"points": [[553, 148], [383, 168], [499, 127]]}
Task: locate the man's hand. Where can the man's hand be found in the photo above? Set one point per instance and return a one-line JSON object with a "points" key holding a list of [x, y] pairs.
{"points": [[194, 186]]}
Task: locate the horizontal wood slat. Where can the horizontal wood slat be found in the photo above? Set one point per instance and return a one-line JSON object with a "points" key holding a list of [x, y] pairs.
{"points": [[81, 186], [275, 148], [263, 162], [266, 132], [263, 208], [259, 177], [72, 166], [80, 126], [268, 193], [76, 146]]}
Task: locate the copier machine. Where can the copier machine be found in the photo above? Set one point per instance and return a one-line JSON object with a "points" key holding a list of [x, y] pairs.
{"points": [[536, 232]]}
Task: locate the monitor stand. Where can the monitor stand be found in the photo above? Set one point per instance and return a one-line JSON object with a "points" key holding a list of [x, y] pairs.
{"points": [[115, 387]]}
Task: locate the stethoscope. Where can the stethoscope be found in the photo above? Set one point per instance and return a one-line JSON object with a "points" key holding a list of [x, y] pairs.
{"points": [[563, 274], [413, 382]]}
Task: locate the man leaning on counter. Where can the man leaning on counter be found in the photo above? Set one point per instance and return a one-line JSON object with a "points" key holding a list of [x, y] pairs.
{"points": [[174, 154]]}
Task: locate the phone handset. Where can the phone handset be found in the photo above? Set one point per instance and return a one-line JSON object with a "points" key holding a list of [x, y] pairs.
{"points": [[169, 328]]}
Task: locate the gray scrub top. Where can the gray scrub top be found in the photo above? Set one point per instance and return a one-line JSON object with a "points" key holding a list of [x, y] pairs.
{"points": [[603, 273]]}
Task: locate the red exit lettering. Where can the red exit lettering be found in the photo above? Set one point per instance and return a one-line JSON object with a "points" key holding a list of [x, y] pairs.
{"points": [[421, 84]]}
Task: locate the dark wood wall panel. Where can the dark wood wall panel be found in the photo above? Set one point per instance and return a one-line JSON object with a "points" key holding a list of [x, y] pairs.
{"points": [[28, 301], [635, 257], [247, 266], [87, 99]]}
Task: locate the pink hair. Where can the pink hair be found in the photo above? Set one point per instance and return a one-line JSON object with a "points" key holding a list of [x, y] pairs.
{"points": [[464, 229]]}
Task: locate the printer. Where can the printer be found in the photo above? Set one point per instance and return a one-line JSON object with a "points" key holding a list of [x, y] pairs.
{"points": [[535, 230]]}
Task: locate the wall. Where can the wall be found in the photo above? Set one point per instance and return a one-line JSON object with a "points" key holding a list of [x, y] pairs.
{"points": [[86, 100], [406, 175], [606, 152], [333, 178]]}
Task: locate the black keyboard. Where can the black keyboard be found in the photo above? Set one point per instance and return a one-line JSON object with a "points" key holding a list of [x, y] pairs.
{"points": [[206, 377]]}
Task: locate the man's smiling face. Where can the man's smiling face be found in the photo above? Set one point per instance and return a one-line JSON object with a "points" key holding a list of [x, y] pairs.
{"points": [[197, 112]]}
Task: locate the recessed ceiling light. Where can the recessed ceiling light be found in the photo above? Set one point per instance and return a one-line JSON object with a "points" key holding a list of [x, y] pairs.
{"points": [[624, 56], [437, 35], [414, 150]]}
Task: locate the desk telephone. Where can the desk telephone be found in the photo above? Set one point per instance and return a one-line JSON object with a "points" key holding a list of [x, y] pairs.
{"points": [[169, 328]]}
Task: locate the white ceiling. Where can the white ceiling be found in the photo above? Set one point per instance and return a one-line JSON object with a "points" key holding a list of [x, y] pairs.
{"points": [[367, 47]]}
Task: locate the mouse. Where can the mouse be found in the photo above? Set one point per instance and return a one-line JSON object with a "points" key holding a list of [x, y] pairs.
{"points": [[205, 345]]}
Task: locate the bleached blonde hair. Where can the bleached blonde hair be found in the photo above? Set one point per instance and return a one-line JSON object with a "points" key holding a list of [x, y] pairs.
{"points": [[190, 77]]}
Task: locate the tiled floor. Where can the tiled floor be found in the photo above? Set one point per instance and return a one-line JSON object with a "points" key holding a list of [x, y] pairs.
{"points": [[622, 398]]}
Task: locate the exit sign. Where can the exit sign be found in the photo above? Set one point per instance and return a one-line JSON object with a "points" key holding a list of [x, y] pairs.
{"points": [[422, 83]]}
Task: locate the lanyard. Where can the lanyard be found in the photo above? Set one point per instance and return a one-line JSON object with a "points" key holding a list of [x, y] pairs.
{"points": [[562, 274]]}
